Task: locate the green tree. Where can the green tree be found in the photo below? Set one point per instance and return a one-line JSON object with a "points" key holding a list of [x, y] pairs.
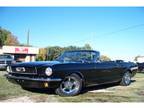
{"points": [[51, 53], [104, 58], [7, 38], [69, 48], [42, 55], [87, 47], [3, 36], [11, 40], [136, 58]]}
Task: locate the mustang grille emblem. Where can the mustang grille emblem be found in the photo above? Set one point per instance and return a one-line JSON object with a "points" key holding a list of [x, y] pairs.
{"points": [[20, 69]]}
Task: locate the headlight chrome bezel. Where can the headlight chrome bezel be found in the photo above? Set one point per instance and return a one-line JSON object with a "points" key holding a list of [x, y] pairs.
{"points": [[48, 71]]}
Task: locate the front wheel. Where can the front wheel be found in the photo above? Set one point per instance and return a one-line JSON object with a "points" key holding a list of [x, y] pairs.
{"points": [[126, 79], [70, 86]]}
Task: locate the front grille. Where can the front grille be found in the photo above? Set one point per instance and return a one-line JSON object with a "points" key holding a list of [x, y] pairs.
{"points": [[2, 62], [8, 62], [5, 62], [28, 70]]}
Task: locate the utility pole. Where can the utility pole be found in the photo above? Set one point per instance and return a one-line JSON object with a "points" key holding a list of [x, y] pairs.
{"points": [[28, 37]]}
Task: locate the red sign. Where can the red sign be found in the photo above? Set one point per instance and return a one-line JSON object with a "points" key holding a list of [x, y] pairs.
{"points": [[21, 50]]}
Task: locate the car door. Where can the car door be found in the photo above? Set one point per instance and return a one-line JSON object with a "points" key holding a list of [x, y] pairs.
{"points": [[105, 72]]}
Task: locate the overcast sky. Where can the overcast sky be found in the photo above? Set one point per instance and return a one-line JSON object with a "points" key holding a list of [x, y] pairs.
{"points": [[117, 32]]}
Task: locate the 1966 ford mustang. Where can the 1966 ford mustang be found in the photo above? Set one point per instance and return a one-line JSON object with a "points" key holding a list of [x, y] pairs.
{"points": [[70, 72]]}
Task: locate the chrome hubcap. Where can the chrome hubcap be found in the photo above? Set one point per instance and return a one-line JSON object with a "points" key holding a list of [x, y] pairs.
{"points": [[127, 78], [69, 85]]}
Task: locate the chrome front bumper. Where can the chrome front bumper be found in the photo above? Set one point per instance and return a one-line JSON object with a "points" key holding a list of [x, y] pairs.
{"points": [[34, 82], [32, 79]]}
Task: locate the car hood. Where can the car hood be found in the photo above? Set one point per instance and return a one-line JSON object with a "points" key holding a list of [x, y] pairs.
{"points": [[37, 64]]}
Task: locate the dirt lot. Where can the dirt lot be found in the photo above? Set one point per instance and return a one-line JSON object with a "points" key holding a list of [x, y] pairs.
{"points": [[106, 93]]}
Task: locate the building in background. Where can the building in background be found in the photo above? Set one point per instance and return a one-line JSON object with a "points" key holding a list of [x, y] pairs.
{"points": [[1, 52], [21, 53], [140, 59]]}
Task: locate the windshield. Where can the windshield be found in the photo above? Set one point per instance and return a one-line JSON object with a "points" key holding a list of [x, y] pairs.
{"points": [[77, 56], [5, 57]]}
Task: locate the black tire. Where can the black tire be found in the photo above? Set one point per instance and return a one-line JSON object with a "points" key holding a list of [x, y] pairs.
{"points": [[26, 88], [66, 85], [126, 79]]}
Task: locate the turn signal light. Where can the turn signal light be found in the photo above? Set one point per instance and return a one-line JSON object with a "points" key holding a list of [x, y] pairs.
{"points": [[45, 84]]}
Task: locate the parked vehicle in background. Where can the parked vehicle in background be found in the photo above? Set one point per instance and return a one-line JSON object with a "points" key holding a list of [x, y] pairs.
{"points": [[140, 67], [71, 72], [5, 59], [140, 62]]}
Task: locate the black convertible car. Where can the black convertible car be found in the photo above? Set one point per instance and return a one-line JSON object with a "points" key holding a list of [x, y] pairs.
{"points": [[70, 72]]}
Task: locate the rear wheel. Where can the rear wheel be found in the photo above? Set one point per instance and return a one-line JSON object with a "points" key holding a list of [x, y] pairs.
{"points": [[126, 79], [70, 86]]}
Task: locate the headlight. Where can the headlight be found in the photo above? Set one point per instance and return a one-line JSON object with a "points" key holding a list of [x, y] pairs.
{"points": [[8, 69], [48, 71]]}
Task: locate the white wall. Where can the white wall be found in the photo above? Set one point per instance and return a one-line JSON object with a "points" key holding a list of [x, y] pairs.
{"points": [[140, 60], [12, 49], [1, 52]]}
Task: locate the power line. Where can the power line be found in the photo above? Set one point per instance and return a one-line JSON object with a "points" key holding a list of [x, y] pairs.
{"points": [[124, 29], [114, 32]]}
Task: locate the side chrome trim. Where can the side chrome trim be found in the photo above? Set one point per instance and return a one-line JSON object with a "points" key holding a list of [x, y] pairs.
{"points": [[32, 79], [134, 68]]}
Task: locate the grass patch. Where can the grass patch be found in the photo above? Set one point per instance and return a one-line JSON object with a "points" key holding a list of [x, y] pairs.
{"points": [[132, 93], [9, 90]]}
